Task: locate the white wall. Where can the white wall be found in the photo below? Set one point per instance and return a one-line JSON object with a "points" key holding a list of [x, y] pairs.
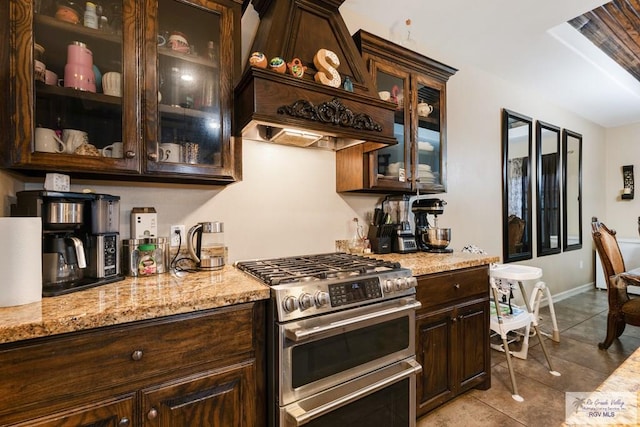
{"points": [[287, 204], [623, 148]]}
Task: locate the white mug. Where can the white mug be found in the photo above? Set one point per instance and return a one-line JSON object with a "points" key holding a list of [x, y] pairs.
{"points": [[112, 83], [73, 139], [48, 142], [170, 152], [385, 95], [50, 78], [113, 150], [39, 70]]}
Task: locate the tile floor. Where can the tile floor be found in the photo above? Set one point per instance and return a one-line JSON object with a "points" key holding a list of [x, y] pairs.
{"points": [[582, 323]]}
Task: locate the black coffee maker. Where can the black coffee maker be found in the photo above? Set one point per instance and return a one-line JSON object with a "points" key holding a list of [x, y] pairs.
{"points": [[80, 238]]}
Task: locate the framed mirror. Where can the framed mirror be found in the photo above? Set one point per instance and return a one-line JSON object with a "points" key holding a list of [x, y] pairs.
{"points": [[516, 186], [548, 188], [572, 190]]}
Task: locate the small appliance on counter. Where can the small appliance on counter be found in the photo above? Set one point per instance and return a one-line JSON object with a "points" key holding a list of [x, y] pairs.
{"points": [[429, 238], [396, 210], [208, 252], [80, 238], [144, 223], [145, 257]]}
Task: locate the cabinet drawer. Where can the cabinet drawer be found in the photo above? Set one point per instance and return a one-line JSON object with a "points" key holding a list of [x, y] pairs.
{"points": [[61, 368], [443, 288]]}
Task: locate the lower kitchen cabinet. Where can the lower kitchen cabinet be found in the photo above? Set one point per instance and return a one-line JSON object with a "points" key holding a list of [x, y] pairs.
{"points": [[452, 335], [109, 413], [204, 368]]}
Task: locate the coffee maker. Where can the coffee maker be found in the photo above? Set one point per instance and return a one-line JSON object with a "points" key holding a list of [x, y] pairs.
{"points": [[429, 237], [80, 238]]}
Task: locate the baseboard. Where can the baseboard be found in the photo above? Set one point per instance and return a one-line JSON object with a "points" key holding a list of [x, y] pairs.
{"points": [[568, 293]]}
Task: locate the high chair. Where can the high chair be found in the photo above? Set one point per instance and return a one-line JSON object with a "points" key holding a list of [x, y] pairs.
{"points": [[507, 318]]}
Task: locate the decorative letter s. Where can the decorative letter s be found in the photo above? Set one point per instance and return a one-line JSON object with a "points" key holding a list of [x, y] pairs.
{"points": [[326, 62]]}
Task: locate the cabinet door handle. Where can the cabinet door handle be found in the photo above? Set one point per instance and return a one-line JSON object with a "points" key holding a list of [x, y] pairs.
{"points": [[152, 414], [129, 154], [136, 355], [124, 422], [457, 286], [153, 156]]}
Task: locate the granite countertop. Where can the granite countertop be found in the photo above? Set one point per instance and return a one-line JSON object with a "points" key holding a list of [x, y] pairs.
{"points": [[129, 300], [166, 294], [621, 387], [422, 263]]}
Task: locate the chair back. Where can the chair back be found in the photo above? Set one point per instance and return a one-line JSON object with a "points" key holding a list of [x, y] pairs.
{"points": [[608, 250], [516, 232]]}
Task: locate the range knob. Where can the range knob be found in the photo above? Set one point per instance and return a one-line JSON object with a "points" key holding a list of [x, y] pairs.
{"points": [[305, 300], [412, 282], [388, 285], [401, 283], [290, 304], [322, 298]]}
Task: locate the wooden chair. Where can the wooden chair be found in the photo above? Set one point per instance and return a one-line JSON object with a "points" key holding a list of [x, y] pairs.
{"points": [[516, 232], [622, 309]]}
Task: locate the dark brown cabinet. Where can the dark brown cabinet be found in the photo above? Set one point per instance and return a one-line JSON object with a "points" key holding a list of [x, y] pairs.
{"points": [[203, 368], [173, 65], [416, 85], [452, 335]]}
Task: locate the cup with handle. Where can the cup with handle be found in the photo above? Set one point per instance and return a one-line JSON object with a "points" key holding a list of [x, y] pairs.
{"points": [[114, 150], [74, 138], [48, 142]]}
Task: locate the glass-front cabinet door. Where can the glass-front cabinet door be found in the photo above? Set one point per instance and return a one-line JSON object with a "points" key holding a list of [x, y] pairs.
{"points": [[392, 165], [190, 91], [428, 112], [84, 73]]}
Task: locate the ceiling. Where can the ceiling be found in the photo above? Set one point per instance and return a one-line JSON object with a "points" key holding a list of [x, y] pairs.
{"points": [[530, 44]]}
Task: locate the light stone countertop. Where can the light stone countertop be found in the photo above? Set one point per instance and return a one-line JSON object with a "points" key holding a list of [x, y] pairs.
{"points": [[622, 384], [129, 300], [166, 294], [422, 263]]}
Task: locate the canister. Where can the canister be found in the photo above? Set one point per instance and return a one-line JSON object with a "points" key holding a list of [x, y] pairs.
{"points": [[145, 257]]}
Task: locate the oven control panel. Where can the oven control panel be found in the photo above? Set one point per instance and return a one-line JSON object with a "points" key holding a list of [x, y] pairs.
{"points": [[304, 299], [351, 292]]}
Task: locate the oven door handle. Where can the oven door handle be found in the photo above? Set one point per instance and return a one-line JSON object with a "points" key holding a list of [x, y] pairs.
{"points": [[299, 416], [297, 335]]}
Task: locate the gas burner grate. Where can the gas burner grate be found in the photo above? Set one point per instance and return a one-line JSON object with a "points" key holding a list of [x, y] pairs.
{"points": [[313, 267]]}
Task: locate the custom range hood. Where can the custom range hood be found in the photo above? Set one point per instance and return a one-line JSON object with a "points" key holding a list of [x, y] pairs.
{"points": [[283, 109]]}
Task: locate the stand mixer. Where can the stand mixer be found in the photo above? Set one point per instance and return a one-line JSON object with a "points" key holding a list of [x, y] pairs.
{"points": [[430, 238]]}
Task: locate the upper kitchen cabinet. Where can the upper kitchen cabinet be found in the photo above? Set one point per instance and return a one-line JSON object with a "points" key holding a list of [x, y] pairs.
{"points": [[193, 49], [416, 85], [121, 89]]}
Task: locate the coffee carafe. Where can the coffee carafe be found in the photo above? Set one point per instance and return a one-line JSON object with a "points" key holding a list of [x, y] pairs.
{"points": [[208, 251], [63, 259]]}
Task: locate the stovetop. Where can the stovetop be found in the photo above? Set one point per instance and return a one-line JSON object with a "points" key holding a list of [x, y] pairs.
{"points": [[314, 267], [309, 285]]}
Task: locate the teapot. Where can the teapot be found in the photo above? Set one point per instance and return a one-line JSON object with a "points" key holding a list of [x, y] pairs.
{"points": [[424, 109]]}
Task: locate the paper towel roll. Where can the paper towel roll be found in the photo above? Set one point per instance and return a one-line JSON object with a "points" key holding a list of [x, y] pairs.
{"points": [[20, 261]]}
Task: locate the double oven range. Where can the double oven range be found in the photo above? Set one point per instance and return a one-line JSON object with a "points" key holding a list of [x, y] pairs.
{"points": [[340, 340]]}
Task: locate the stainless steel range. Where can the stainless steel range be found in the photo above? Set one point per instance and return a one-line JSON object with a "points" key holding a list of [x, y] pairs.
{"points": [[340, 340]]}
